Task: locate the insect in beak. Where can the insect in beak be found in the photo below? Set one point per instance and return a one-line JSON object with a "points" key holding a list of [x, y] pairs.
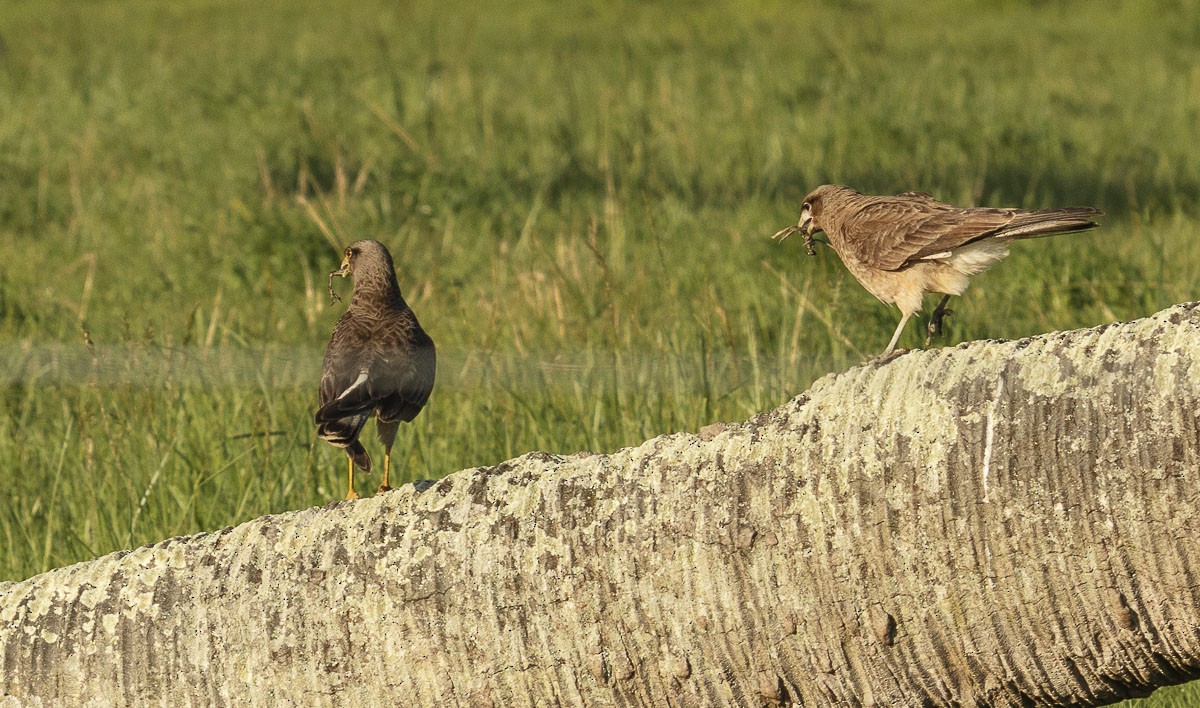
{"points": [[805, 228], [341, 272]]}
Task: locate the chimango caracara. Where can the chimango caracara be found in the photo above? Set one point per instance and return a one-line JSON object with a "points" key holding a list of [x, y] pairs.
{"points": [[379, 361], [904, 246]]}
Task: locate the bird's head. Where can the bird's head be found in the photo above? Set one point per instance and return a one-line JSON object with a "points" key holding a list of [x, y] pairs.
{"points": [[364, 256], [810, 217], [348, 257]]}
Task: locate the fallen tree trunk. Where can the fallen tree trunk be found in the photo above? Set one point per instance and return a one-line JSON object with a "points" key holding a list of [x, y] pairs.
{"points": [[996, 523]]}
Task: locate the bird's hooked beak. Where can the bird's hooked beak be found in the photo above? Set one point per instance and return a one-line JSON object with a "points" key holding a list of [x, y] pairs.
{"points": [[805, 227], [340, 272]]}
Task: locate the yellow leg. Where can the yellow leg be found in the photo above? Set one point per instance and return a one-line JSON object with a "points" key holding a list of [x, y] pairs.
{"points": [[350, 493], [387, 466]]}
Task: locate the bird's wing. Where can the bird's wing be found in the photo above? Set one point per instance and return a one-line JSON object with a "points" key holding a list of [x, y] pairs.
{"points": [[403, 381], [889, 232], [343, 391], [341, 377]]}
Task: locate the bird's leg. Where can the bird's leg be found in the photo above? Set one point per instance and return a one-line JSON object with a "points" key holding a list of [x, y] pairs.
{"points": [[935, 320], [387, 466], [891, 347], [350, 493]]}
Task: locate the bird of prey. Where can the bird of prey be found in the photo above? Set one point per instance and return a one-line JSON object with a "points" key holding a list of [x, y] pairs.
{"points": [[901, 247], [379, 361]]}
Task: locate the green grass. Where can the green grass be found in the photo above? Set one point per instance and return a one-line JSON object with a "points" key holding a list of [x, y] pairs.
{"points": [[579, 199]]}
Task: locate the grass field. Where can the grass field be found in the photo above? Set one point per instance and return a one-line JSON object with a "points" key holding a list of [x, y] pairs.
{"points": [[579, 199]]}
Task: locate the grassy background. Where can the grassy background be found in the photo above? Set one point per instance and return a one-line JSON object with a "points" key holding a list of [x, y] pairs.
{"points": [[579, 200]]}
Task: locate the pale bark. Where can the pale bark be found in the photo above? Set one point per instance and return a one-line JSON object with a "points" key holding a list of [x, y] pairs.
{"points": [[990, 524]]}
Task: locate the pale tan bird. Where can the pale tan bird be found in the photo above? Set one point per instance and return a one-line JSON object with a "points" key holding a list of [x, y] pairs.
{"points": [[379, 361], [901, 247]]}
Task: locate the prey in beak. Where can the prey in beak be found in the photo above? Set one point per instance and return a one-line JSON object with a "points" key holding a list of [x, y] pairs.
{"points": [[341, 272], [805, 227]]}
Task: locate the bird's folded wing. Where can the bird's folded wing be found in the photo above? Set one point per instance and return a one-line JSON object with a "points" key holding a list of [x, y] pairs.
{"points": [[341, 371], [394, 374], [403, 388], [337, 422], [356, 399], [889, 233]]}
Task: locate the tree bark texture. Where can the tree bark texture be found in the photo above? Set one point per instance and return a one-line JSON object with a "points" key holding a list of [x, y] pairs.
{"points": [[998, 523]]}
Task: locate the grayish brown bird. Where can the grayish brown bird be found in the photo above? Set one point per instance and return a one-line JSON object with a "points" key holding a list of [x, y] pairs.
{"points": [[901, 247], [379, 361]]}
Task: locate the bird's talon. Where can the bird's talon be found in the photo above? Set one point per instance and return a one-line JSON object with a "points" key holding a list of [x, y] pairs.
{"points": [[935, 324], [383, 488], [888, 357]]}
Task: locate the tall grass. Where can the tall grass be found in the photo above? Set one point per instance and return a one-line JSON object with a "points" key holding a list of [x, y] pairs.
{"points": [[578, 196]]}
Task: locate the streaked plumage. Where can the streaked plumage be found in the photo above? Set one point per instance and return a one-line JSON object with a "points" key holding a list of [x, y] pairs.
{"points": [[901, 247], [379, 361]]}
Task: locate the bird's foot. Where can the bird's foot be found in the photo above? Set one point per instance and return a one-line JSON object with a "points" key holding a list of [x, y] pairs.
{"points": [[383, 488], [351, 494], [935, 324], [887, 357]]}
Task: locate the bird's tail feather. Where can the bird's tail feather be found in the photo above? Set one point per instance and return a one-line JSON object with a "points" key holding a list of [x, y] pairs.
{"points": [[343, 433], [1036, 223], [359, 454], [351, 404]]}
